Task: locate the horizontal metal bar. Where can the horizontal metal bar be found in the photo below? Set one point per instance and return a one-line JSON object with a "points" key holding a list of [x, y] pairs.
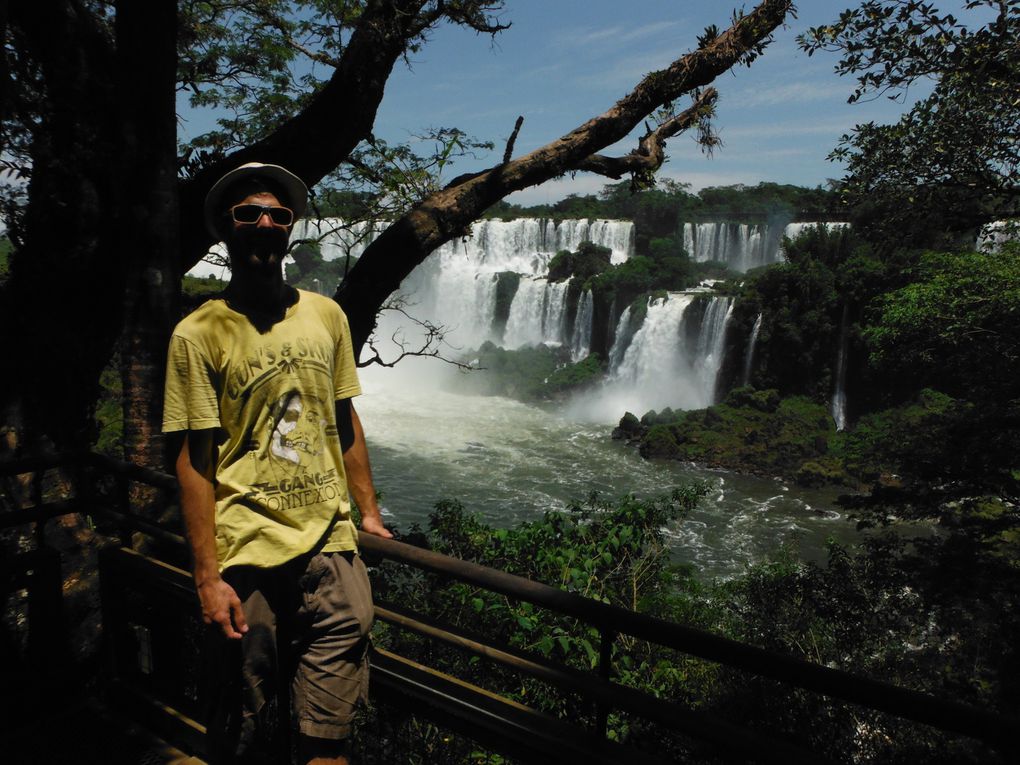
{"points": [[728, 737], [137, 567], [36, 513], [137, 523], [492, 720], [134, 472], [41, 461], [983, 724]]}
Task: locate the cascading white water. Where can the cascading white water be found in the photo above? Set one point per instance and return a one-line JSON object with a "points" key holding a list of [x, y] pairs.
{"points": [[456, 286], [994, 235], [536, 314], [337, 239], [741, 246], [659, 367], [749, 356], [839, 390], [621, 340], [580, 341], [708, 355]]}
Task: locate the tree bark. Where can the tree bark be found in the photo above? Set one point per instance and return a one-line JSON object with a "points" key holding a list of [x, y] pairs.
{"points": [[148, 240]]}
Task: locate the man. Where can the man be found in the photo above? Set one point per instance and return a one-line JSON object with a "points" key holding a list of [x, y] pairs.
{"points": [[269, 452]]}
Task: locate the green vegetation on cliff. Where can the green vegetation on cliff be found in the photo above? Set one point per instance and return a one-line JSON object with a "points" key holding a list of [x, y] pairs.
{"points": [[932, 437], [531, 374], [751, 431]]}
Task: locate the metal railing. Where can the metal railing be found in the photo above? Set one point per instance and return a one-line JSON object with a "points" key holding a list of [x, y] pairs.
{"points": [[598, 687]]}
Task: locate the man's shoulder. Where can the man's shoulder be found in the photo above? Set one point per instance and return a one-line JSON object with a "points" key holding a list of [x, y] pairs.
{"points": [[207, 317], [315, 301], [325, 308]]}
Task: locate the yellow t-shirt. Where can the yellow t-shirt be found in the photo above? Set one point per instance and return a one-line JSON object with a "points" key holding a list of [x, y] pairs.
{"points": [[279, 478]]}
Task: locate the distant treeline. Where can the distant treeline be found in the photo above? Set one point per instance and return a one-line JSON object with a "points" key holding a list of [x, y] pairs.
{"points": [[657, 210]]}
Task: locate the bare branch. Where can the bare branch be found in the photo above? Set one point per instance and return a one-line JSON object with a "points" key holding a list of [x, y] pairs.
{"points": [[430, 346], [513, 139], [650, 154]]}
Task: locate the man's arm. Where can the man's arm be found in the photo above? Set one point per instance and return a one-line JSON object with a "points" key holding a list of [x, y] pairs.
{"points": [[194, 468], [358, 469]]}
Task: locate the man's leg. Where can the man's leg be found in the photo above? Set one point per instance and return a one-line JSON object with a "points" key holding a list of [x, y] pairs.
{"points": [[260, 736], [331, 645]]}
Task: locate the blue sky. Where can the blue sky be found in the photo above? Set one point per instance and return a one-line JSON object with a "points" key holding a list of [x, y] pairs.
{"points": [[564, 61]]}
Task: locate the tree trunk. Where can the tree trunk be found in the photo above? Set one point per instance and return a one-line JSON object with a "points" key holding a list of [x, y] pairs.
{"points": [[149, 224]]}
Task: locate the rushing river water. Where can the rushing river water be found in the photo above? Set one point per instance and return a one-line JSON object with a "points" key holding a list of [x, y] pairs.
{"points": [[509, 462]]}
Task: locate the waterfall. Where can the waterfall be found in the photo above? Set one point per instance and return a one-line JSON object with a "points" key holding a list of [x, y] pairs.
{"points": [[708, 354], [749, 356], [741, 246], [580, 343], [621, 339], [839, 390], [537, 313], [337, 239], [674, 358], [455, 286], [992, 236]]}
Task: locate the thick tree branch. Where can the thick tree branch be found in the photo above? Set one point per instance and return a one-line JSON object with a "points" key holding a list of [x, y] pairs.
{"points": [[509, 152], [343, 112], [448, 212], [651, 151]]}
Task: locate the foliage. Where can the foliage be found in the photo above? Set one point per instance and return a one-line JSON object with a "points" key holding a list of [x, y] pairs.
{"points": [[955, 325], [611, 552], [6, 248], [800, 326], [637, 276], [895, 610], [196, 290], [659, 212], [589, 260], [310, 271], [532, 374], [109, 417], [952, 159], [751, 431], [905, 440]]}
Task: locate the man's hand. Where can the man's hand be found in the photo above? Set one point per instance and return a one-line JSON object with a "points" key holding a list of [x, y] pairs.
{"points": [[220, 605], [372, 524]]}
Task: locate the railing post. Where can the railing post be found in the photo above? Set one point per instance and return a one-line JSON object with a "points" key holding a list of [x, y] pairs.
{"points": [[37, 500], [605, 672], [124, 496]]}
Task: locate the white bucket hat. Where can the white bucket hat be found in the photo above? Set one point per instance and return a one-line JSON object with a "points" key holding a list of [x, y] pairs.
{"points": [[292, 186]]}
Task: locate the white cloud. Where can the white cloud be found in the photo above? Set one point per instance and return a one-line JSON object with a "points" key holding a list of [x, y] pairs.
{"points": [[615, 35], [791, 94]]}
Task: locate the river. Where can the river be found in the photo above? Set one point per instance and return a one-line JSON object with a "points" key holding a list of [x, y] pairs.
{"points": [[509, 462]]}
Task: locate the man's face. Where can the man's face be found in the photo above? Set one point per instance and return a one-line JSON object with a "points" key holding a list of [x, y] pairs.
{"points": [[258, 248]]}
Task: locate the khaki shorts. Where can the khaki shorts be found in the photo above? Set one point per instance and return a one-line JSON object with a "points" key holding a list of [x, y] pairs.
{"points": [[308, 621]]}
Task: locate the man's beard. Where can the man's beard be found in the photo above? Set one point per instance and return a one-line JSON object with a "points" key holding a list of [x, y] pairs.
{"points": [[257, 249]]}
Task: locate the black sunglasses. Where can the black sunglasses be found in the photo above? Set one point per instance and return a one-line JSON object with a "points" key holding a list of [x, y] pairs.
{"points": [[251, 214]]}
